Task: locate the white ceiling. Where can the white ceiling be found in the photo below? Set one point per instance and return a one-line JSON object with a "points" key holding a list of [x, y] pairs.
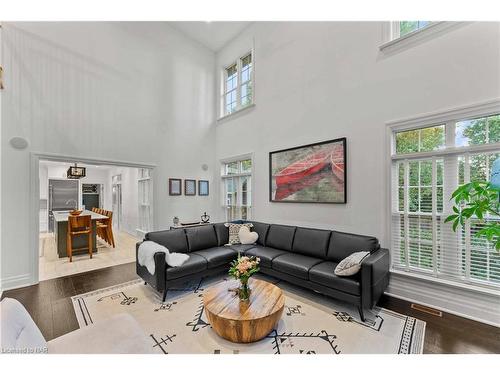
{"points": [[213, 35]]}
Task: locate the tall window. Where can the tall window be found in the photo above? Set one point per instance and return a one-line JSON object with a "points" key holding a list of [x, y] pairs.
{"points": [[237, 191], [402, 28], [428, 164], [237, 91]]}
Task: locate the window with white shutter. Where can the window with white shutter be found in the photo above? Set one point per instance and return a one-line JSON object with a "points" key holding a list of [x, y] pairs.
{"points": [[236, 188], [428, 164]]}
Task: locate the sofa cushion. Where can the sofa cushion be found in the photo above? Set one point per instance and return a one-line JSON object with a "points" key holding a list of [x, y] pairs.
{"points": [[18, 331], [174, 240], [261, 229], [295, 264], [195, 263], [202, 237], [344, 244], [240, 248], [266, 254], [280, 237], [217, 256], [311, 242], [222, 233], [323, 273]]}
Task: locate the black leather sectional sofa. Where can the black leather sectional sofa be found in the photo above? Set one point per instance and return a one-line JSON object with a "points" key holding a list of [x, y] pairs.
{"points": [[302, 256]]}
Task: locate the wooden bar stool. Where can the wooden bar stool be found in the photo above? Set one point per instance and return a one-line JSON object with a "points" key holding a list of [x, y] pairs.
{"points": [[109, 214], [105, 227], [78, 225]]}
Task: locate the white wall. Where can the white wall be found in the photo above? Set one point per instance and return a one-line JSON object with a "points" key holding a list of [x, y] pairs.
{"points": [[139, 92], [320, 81], [326, 80]]}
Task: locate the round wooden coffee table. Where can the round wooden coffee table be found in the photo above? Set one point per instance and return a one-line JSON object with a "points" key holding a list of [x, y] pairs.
{"points": [[247, 321]]}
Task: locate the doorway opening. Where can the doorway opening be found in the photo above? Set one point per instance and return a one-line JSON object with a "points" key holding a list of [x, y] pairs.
{"points": [[117, 198]]}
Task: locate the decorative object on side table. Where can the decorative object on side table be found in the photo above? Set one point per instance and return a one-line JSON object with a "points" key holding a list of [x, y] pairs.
{"points": [[175, 221], [205, 218], [174, 186], [189, 187], [242, 269], [315, 173], [203, 187]]}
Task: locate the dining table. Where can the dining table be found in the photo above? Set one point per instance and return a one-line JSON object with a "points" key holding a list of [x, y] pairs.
{"points": [[61, 230]]}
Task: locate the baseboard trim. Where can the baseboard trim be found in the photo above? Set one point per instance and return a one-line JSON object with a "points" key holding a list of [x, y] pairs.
{"points": [[15, 282], [452, 300]]}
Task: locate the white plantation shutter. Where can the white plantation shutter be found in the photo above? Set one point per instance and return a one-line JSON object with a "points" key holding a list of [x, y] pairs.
{"points": [[237, 189], [421, 187]]}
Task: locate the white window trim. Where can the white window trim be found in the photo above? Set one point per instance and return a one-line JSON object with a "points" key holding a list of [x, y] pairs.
{"points": [[392, 43], [222, 98], [425, 120]]}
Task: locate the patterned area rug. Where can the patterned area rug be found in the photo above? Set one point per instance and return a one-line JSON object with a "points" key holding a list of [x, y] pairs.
{"points": [[311, 323]]}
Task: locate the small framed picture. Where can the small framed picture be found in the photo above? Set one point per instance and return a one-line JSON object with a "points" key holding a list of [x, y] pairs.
{"points": [[174, 186], [202, 187], [189, 187]]}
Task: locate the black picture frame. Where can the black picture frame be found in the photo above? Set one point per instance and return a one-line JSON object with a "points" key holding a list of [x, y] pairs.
{"points": [[342, 140], [172, 190], [189, 187], [201, 184]]}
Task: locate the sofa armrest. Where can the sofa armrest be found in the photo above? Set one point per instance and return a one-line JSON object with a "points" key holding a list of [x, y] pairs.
{"points": [[119, 334], [374, 277], [158, 280]]}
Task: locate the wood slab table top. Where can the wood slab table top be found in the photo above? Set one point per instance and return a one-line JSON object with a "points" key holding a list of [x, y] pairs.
{"points": [[244, 321]]}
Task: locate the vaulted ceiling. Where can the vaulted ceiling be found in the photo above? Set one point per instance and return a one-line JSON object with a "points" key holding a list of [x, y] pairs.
{"points": [[213, 35]]}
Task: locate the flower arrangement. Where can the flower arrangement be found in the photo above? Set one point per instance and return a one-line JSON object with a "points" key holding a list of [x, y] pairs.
{"points": [[242, 269]]}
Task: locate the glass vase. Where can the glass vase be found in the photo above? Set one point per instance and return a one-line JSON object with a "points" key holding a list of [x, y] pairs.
{"points": [[244, 290]]}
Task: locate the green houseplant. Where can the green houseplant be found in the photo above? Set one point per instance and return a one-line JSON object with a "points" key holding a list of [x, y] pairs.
{"points": [[477, 198]]}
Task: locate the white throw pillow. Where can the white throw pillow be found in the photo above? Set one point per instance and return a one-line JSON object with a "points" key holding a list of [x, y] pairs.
{"points": [[247, 237], [352, 264], [234, 230]]}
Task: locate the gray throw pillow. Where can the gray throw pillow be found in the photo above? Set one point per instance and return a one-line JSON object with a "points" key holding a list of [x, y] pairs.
{"points": [[351, 265]]}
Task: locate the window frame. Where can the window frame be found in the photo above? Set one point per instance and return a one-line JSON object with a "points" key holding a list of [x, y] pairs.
{"points": [[448, 117], [396, 29], [390, 43], [145, 185], [239, 65], [240, 174]]}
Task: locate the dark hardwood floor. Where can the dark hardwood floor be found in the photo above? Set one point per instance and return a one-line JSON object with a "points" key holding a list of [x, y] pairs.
{"points": [[50, 306]]}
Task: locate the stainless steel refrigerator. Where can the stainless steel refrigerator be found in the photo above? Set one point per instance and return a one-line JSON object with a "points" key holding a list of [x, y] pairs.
{"points": [[63, 196]]}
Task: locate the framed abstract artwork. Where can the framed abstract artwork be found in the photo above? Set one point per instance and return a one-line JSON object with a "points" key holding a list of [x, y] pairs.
{"points": [[174, 186], [315, 173], [189, 187], [203, 187]]}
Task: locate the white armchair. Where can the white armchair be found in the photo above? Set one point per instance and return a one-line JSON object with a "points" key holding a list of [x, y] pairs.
{"points": [[121, 334]]}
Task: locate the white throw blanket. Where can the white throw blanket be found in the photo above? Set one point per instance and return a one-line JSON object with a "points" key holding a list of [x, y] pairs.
{"points": [[146, 253]]}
